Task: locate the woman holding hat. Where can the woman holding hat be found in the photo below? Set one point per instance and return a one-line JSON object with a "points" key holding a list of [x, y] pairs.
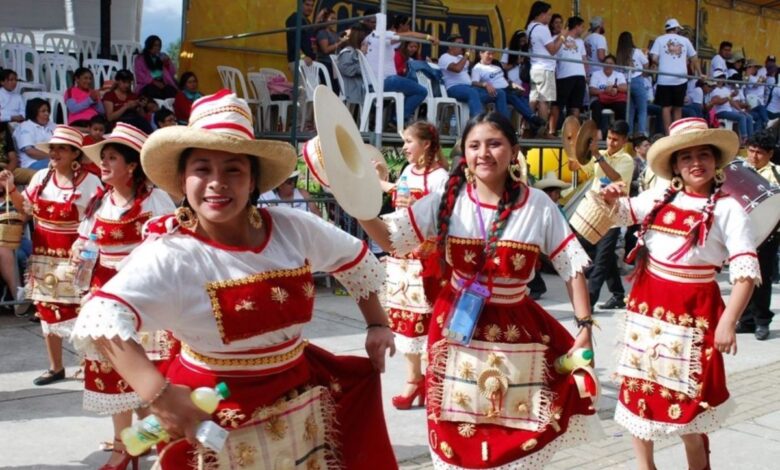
{"points": [[677, 327], [116, 217], [494, 400], [234, 284], [56, 198]]}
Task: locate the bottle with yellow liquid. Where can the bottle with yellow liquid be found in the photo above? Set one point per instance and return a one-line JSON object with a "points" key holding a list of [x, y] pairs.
{"points": [[579, 358], [144, 434]]}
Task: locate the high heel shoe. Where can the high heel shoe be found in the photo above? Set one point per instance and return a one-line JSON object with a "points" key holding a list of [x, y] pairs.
{"points": [[402, 402], [126, 459]]}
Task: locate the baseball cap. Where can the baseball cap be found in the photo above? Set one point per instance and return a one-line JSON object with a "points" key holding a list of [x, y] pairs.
{"points": [[671, 23], [770, 58], [719, 74], [596, 21]]}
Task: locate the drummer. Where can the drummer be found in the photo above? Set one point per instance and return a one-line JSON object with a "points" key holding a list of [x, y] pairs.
{"points": [[611, 165], [552, 186], [757, 316]]}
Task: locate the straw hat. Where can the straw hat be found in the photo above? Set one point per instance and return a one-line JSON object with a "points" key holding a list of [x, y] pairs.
{"points": [[123, 134], [686, 133], [223, 122], [340, 161], [551, 180], [63, 135]]}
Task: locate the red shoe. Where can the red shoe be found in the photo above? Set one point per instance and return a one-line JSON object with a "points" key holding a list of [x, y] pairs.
{"points": [[126, 459], [402, 402]]}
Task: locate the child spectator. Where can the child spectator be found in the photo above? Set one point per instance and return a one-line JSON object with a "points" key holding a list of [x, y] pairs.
{"points": [[97, 128], [164, 118], [82, 100], [35, 129], [11, 102], [188, 93]]}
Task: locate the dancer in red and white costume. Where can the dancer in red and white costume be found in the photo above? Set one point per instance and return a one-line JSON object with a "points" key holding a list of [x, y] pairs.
{"points": [[116, 216], [234, 284], [410, 294], [496, 402], [677, 327], [56, 198]]}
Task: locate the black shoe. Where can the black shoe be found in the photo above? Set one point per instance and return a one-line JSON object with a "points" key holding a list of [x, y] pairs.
{"points": [[50, 377], [743, 327], [762, 332], [615, 302], [536, 295]]}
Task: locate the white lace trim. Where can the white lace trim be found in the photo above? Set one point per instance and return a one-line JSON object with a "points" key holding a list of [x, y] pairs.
{"points": [[648, 430], [62, 329], [571, 260], [582, 429], [403, 236], [110, 403], [367, 276], [407, 345], [103, 318], [622, 215], [744, 267]]}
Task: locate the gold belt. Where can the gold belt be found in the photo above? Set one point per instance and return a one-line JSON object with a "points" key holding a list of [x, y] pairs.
{"points": [[684, 275], [270, 360]]}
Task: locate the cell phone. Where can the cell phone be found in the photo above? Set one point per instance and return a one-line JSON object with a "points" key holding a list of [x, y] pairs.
{"points": [[463, 318]]}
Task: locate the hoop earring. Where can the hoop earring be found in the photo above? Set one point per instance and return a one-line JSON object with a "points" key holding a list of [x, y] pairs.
{"points": [[516, 172], [469, 175], [186, 217], [677, 183], [75, 165], [720, 176], [255, 220]]}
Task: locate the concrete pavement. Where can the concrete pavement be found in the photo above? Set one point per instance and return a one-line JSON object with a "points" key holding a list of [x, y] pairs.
{"points": [[45, 427]]}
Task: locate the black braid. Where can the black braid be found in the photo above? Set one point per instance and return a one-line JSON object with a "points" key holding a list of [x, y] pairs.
{"points": [[642, 253]]}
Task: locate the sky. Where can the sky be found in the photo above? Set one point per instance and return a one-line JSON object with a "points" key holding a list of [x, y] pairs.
{"points": [[163, 18]]}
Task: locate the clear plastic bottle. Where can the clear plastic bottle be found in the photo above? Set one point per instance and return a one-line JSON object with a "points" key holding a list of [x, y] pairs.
{"points": [[579, 358], [402, 193], [145, 433], [87, 257], [453, 124]]}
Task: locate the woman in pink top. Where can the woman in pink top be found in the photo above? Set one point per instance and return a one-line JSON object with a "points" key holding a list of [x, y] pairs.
{"points": [[82, 100], [153, 59]]}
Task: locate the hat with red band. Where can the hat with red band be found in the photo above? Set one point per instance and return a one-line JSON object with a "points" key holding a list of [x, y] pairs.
{"points": [[63, 135], [123, 134]]}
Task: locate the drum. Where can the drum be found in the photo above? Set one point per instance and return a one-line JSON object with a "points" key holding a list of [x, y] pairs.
{"points": [[574, 197], [758, 197], [593, 218]]}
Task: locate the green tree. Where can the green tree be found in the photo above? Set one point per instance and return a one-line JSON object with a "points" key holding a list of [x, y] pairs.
{"points": [[173, 52]]}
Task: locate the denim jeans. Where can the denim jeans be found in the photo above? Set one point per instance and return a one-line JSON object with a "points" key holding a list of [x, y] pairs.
{"points": [[760, 116], [40, 164], [637, 108], [520, 103], [413, 92], [693, 110], [744, 120], [499, 100], [469, 95]]}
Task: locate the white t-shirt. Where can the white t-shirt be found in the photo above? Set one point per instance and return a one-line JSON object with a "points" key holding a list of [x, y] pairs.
{"points": [[600, 81], [722, 92], [773, 101], [593, 43], [718, 63], [489, 73], [539, 38], [639, 60], [453, 78], [372, 54], [695, 95], [11, 104], [755, 92], [28, 134], [673, 52], [650, 89], [574, 49]]}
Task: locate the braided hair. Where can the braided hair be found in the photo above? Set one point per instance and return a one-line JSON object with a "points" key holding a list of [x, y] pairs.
{"points": [[50, 172], [424, 130]]}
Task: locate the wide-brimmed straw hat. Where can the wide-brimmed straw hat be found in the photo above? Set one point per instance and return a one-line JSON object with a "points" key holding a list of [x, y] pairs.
{"points": [[123, 134], [223, 122], [65, 135], [686, 133], [551, 180]]}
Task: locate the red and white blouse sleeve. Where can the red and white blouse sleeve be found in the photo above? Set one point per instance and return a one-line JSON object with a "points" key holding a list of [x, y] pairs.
{"points": [[330, 249], [738, 234], [143, 296], [560, 245], [632, 211], [411, 226]]}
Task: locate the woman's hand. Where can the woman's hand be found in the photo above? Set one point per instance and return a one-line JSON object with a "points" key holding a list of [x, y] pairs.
{"points": [[6, 180], [726, 337], [378, 341], [613, 191], [177, 413], [490, 89], [584, 340]]}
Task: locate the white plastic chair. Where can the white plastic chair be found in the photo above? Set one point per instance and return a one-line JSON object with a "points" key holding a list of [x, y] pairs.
{"points": [[726, 124], [370, 85], [23, 60], [17, 36], [166, 103], [89, 48], [125, 51], [265, 105], [59, 43], [57, 71], [56, 102], [233, 79], [434, 103], [334, 58], [102, 70], [311, 76], [268, 72]]}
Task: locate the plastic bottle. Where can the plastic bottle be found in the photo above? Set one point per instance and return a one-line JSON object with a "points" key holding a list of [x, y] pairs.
{"points": [[87, 257], [402, 193], [579, 358], [144, 434], [453, 124]]}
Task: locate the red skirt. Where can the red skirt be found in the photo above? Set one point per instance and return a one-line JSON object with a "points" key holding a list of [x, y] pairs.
{"points": [[673, 379], [359, 439], [520, 337]]}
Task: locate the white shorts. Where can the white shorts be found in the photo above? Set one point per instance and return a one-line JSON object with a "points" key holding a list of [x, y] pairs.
{"points": [[542, 85]]}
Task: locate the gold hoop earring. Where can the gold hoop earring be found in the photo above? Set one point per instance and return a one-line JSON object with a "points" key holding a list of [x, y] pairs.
{"points": [[516, 172], [186, 217], [255, 220], [720, 176], [469, 175], [677, 183], [75, 165]]}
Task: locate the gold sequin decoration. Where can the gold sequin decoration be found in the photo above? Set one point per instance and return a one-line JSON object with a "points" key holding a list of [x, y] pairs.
{"points": [[276, 428], [529, 445], [279, 295], [671, 318], [656, 330], [632, 384], [105, 367], [244, 455], [702, 323], [419, 328], [669, 217], [674, 411], [521, 407], [494, 360], [469, 257], [492, 332], [467, 429], [676, 348], [518, 261], [461, 399], [684, 320], [99, 384], [634, 336], [230, 417], [665, 393], [681, 396], [674, 371], [512, 333], [648, 387], [446, 449], [658, 313], [309, 290], [643, 308], [466, 371]]}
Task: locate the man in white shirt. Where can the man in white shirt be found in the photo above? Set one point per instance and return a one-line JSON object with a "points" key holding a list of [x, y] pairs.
{"points": [[570, 76], [754, 94], [723, 99], [454, 65], [11, 102], [542, 43], [718, 62], [671, 53], [596, 43]]}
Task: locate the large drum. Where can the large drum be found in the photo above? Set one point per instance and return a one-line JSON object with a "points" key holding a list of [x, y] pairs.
{"points": [[593, 218], [760, 199]]}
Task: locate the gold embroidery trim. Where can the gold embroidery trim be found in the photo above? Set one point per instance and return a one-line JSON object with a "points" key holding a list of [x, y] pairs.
{"points": [[661, 228], [256, 361], [501, 243], [124, 222]]}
